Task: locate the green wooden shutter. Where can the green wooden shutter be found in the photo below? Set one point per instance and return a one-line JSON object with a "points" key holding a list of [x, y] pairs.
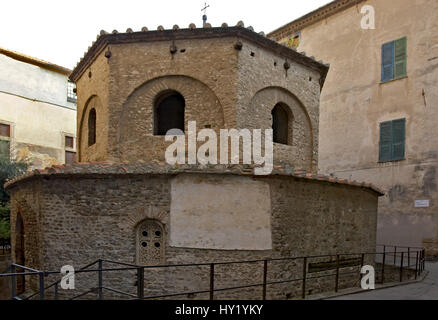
{"points": [[400, 58], [388, 61], [385, 141], [398, 139]]}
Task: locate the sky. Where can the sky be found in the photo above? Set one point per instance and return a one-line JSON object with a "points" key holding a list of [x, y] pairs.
{"points": [[60, 31]]}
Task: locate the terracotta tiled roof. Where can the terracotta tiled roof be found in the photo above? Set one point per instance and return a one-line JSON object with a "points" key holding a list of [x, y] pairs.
{"points": [[35, 61], [161, 168]]}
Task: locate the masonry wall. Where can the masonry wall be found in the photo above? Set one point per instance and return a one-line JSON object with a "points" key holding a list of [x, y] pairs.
{"points": [[354, 102], [33, 101], [93, 92], [223, 88], [264, 82], [76, 221]]}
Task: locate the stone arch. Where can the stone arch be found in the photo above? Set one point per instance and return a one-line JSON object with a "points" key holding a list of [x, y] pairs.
{"points": [[135, 133], [150, 242], [299, 152], [87, 151]]}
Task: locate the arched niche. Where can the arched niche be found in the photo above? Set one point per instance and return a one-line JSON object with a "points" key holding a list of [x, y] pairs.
{"points": [[136, 138], [299, 150]]}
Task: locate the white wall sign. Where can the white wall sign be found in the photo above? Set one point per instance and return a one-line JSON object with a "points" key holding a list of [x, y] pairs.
{"points": [[422, 203]]}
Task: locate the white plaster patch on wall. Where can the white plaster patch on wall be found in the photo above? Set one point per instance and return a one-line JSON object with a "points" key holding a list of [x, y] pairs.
{"points": [[220, 212]]}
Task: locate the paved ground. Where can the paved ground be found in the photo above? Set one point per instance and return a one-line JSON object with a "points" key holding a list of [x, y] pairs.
{"points": [[425, 290]]}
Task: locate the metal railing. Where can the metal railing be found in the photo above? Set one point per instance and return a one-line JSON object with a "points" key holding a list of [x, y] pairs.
{"points": [[401, 258], [5, 246]]}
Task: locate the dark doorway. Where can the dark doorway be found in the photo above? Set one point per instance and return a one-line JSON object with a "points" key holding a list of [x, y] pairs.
{"points": [[169, 113]]}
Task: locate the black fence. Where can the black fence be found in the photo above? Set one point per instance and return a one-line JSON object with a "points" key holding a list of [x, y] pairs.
{"points": [[400, 260], [5, 246]]}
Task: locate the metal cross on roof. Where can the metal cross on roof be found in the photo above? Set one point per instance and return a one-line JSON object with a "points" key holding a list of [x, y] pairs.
{"points": [[205, 8]]}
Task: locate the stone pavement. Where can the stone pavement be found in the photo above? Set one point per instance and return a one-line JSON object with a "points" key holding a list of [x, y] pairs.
{"points": [[424, 290]]}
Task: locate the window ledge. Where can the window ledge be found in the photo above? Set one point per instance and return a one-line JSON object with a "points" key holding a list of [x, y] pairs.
{"points": [[391, 161], [392, 80]]}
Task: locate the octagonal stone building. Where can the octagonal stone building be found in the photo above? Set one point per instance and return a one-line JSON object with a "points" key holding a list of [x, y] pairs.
{"points": [[122, 202]]}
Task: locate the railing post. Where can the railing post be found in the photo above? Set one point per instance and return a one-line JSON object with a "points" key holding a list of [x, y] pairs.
{"points": [[304, 278], [409, 257], [424, 259], [416, 267], [362, 262], [41, 278], [401, 267], [212, 281], [337, 273], [383, 264], [13, 283], [140, 283], [56, 291], [100, 280], [395, 255], [265, 277]]}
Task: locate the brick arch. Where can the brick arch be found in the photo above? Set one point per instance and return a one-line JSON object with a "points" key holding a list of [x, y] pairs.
{"points": [[94, 152], [135, 132], [136, 216], [300, 152]]}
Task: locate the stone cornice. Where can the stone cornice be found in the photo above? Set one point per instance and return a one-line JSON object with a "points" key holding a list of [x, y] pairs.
{"points": [[312, 17], [106, 39], [111, 169]]}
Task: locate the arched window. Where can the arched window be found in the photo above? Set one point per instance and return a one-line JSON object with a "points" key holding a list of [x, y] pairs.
{"points": [[169, 113], [150, 243], [280, 124], [92, 127]]}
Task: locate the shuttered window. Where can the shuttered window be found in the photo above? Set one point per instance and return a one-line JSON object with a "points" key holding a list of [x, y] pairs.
{"points": [[394, 59], [392, 140]]}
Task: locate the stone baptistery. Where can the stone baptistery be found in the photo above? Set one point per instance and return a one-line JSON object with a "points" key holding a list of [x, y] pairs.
{"points": [[121, 201]]}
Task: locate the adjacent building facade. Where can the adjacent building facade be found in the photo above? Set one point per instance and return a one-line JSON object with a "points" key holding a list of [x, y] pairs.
{"points": [[379, 105], [37, 111]]}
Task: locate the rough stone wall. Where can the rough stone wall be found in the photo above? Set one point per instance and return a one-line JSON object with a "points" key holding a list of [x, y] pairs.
{"points": [[263, 82], [93, 91], [205, 73], [81, 220], [28, 206], [136, 140]]}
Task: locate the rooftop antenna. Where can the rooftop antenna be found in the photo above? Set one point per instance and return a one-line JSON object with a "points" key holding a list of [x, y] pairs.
{"points": [[204, 17]]}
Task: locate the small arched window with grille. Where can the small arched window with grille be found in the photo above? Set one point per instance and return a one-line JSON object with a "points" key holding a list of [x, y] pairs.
{"points": [[169, 113], [92, 127], [150, 243], [280, 124]]}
